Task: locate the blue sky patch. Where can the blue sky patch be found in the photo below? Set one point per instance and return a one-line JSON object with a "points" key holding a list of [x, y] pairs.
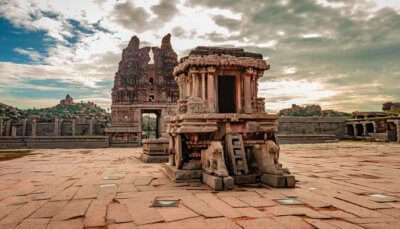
{"points": [[12, 37]]}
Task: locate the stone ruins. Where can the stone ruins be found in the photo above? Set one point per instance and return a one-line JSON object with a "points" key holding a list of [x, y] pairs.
{"points": [[143, 85], [67, 101], [373, 126], [221, 133]]}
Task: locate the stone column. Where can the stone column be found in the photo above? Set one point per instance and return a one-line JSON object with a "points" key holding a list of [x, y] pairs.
{"points": [[179, 81], [73, 126], [196, 85], [203, 86], [8, 127], [91, 125], [24, 121], [34, 126], [238, 85], [14, 131], [211, 90], [60, 124], [247, 91], [1, 126], [56, 127], [365, 129], [188, 86], [398, 131], [355, 130]]}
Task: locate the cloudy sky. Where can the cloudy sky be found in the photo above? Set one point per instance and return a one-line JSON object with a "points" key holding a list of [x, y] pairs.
{"points": [[341, 54]]}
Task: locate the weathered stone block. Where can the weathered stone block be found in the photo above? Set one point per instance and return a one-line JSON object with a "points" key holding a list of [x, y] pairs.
{"points": [[180, 175], [228, 183], [146, 158], [245, 179], [214, 182], [278, 181]]}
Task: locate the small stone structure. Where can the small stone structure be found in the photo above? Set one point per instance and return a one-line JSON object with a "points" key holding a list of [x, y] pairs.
{"points": [[155, 150], [221, 133], [143, 84], [67, 101], [373, 126]]}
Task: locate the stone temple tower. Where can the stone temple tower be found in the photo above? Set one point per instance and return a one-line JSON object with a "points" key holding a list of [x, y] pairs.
{"points": [[143, 84]]}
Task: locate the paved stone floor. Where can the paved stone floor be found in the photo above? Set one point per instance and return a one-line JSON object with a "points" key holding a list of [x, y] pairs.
{"points": [[341, 185]]}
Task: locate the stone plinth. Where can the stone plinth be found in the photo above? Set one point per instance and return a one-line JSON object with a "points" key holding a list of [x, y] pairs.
{"points": [[155, 150], [181, 175]]}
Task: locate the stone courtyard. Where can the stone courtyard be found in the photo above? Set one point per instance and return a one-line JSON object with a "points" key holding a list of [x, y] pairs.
{"points": [[340, 185]]}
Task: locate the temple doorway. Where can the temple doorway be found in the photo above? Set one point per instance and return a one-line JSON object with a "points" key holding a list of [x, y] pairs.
{"points": [[150, 124], [360, 130], [226, 94], [350, 130], [370, 128]]}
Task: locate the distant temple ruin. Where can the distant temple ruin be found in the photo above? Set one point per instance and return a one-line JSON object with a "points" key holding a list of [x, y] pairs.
{"points": [[143, 85], [221, 133], [67, 101], [374, 126]]}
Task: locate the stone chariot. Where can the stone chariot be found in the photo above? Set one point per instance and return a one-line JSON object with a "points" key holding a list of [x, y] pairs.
{"points": [[221, 133]]}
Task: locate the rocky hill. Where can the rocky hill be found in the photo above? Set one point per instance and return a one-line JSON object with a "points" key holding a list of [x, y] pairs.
{"points": [[60, 111], [67, 111], [10, 112], [311, 110]]}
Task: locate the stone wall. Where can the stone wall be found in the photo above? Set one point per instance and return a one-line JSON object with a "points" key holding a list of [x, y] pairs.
{"points": [[52, 142], [311, 129], [33, 133], [58, 127]]}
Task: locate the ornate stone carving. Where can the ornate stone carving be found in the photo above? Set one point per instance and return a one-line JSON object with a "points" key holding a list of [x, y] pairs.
{"points": [[213, 159], [267, 157]]}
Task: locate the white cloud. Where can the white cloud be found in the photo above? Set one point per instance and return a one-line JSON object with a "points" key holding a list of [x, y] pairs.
{"points": [[289, 70], [311, 35], [35, 56], [292, 92]]}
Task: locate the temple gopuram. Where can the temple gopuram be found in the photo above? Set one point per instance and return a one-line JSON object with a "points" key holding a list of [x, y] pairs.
{"points": [[221, 133], [143, 86]]}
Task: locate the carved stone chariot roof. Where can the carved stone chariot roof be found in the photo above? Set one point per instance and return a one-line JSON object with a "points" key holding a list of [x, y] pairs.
{"points": [[216, 56]]}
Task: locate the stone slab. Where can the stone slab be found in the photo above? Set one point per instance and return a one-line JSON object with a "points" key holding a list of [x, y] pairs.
{"points": [[214, 182], [179, 175], [149, 158], [278, 181], [218, 183], [245, 179]]}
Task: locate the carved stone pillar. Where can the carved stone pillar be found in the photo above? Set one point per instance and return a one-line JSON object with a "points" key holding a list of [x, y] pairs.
{"points": [[8, 128], [365, 132], [56, 127], [34, 127], [73, 126], [1, 126], [355, 130], [196, 85], [211, 89], [60, 124], [247, 91], [398, 131], [203, 85], [238, 85], [188, 86], [91, 126], [14, 131], [24, 121], [181, 91]]}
